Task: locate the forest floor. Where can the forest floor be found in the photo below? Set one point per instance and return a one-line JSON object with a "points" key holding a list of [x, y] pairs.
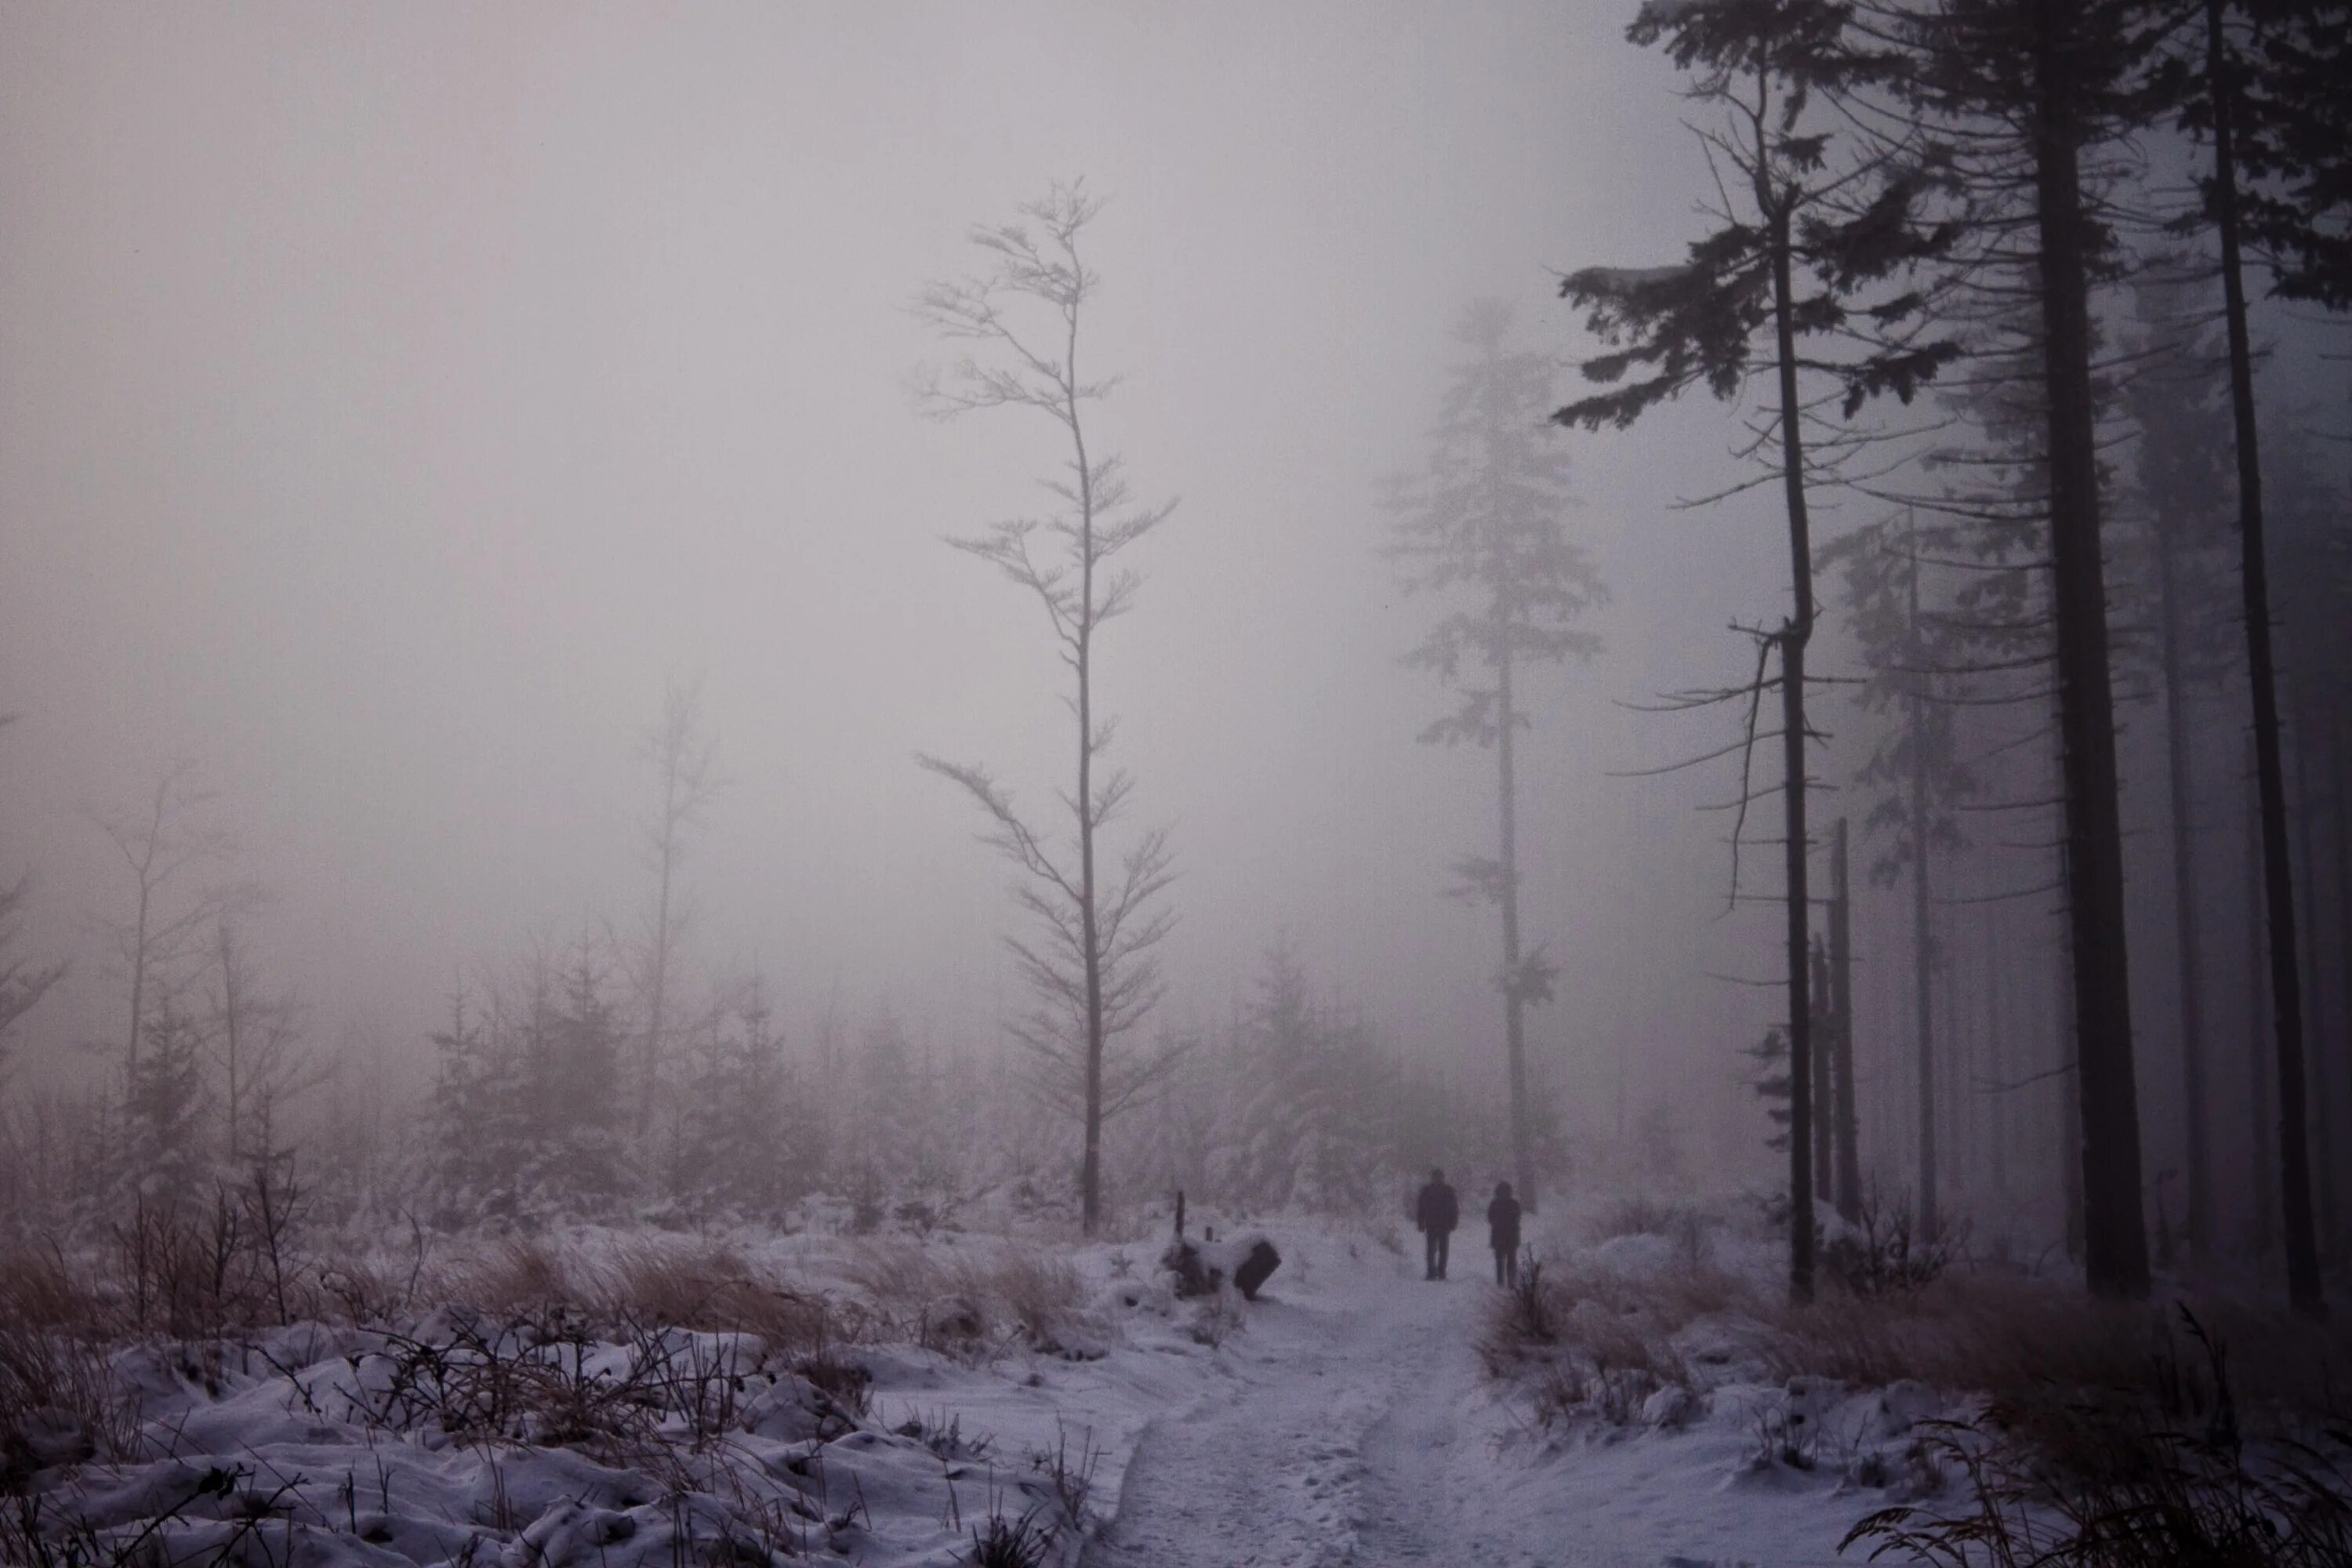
{"points": [[630, 1399]]}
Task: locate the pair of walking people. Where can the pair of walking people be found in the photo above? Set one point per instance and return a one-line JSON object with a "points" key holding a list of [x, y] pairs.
{"points": [[1438, 1212]]}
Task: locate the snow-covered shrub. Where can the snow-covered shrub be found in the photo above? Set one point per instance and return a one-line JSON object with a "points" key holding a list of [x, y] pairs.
{"points": [[1214, 1320], [1524, 1316], [1684, 1224], [1877, 1253], [1593, 1343]]}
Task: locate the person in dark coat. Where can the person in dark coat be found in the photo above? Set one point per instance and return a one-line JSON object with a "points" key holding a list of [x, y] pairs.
{"points": [[1503, 1236], [1437, 1213]]}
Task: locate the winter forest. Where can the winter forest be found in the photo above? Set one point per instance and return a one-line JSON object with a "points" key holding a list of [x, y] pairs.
{"points": [[1176, 785]]}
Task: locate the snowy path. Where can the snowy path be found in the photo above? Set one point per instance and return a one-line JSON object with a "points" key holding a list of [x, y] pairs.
{"points": [[1349, 1428], [1348, 1416]]}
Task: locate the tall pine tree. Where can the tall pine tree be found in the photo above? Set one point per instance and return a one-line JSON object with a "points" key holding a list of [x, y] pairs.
{"points": [[1483, 526]]}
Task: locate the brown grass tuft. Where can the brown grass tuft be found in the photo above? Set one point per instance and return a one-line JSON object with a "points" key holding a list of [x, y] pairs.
{"points": [[516, 1274], [55, 1327], [967, 1305], [712, 1287]]}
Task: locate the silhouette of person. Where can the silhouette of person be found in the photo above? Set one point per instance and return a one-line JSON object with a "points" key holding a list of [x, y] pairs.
{"points": [[1437, 1213], [1503, 1236]]}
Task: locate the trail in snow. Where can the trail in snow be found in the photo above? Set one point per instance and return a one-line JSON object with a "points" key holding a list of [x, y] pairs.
{"points": [[1340, 1436], [1349, 1427]]}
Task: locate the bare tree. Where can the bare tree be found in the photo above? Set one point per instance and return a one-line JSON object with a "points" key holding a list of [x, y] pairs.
{"points": [[1483, 525], [160, 842], [256, 1041], [681, 755], [1092, 969]]}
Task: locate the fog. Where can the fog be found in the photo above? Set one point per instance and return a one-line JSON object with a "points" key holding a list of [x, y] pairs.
{"points": [[395, 401]]}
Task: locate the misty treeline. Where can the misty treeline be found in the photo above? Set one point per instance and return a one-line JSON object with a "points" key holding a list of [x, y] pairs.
{"points": [[616, 1077], [1980, 274]]}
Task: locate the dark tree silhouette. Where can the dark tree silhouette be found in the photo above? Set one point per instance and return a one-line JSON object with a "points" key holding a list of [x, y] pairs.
{"points": [[1799, 281], [2055, 78], [2271, 115]]}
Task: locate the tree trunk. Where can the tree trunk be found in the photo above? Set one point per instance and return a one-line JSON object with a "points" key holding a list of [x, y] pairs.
{"points": [[2115, 1235], [2342, 1051], [1849, 1160], [1996, 993], [1514, 1000], [2199, 1222], [138, 979], [2287, 990], [1825, 1074], [232, 1039], [1800, 1046], [2319, 1080], [2260, 1082], [1089, 923], [1793, 636], [656, 1000], [2069, 1117], [1923, 959]]}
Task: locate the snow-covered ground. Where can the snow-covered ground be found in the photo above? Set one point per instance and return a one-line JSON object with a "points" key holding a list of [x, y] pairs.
{"points": [[1345, 1418], [1352, 1424]]}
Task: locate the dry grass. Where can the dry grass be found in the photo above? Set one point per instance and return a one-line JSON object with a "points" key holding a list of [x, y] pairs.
{"points": [[2024, 1343], [1586, 1303], [965, 1305], [39, 1288], [1038, 1291], [519, 1274], [2164, 1475], [2021, 1340], [55, 1377], [712, 1287]]}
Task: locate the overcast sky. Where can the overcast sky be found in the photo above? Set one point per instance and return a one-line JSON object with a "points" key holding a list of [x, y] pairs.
{"points": [[394, 398]]}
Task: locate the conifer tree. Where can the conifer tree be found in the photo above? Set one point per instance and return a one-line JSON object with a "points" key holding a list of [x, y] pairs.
{"points": [[1801, 282], [1482, 527], [2263, 85], [2038, 85]]}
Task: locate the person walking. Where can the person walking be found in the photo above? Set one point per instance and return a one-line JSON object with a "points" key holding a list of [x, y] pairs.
{"points": [[1503, 1236], [1437, 1213]]}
